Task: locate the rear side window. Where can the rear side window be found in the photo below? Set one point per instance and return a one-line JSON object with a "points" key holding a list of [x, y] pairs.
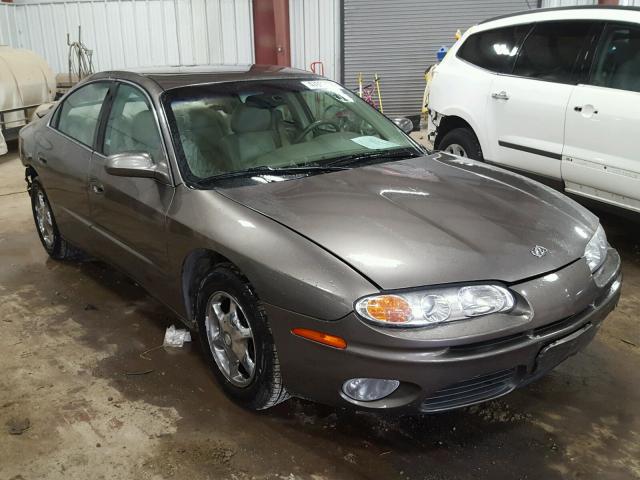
{"points": [[617, 64], [78, 114], [495, 50], [551, 50]]}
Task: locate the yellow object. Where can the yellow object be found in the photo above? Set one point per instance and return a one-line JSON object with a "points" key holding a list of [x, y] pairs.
{"points": [[458, 34], [360, 84], [428, 75], [376, 79]]}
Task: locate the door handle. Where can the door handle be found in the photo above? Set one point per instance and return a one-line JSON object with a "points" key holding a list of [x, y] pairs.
{"points": [[41, 159], [586, 110], [500, 95], [97, 188]]}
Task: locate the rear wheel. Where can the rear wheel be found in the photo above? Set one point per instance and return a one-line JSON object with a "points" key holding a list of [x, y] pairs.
{"points": [[56, 246], [237, 340], [463, 143]]}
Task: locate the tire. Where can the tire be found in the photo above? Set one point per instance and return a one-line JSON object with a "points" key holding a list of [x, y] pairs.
{"points": [[466, 140], [257, 390], [54, 244]]}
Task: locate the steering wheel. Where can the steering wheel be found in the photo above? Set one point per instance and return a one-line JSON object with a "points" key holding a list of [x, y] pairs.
{"points": [[311, 127]]}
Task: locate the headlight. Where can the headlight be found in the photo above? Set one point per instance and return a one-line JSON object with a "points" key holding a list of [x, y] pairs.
{"points": [[596, 250], [435, 306]]}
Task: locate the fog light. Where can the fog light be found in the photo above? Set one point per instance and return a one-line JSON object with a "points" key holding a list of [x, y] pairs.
{"points": [[369, 389]]}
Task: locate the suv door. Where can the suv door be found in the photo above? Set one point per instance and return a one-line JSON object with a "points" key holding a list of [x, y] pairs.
{"points": [[63, 157], [129, 213], [526, 109], [601, 142]]}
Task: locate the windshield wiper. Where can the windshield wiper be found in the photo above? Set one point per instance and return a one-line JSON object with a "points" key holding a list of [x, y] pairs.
{"points": [[407, 152], [267, 170]]}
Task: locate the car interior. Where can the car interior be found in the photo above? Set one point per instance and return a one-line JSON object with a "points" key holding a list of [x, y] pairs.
{"points": [[226, 133]]}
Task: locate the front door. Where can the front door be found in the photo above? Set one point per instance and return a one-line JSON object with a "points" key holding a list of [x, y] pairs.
{"points": [[129, 213], [600, 157], [63, 159], [527, 109]]}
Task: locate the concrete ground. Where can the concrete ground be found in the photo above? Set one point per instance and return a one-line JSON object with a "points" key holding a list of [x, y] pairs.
{"points": [[73, 339]]}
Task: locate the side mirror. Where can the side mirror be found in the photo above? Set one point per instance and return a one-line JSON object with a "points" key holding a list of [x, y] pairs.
{"points": [[138, 165], [404, 124]]}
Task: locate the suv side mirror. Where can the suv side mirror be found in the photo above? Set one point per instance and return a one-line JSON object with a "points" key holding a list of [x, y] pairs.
{"points": [[138, 165], [404, 124]]}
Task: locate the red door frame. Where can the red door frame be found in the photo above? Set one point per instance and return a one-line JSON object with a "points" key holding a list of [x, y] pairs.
{"points": [[271, 32]]}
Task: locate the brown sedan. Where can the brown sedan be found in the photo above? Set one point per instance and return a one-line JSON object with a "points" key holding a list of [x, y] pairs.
{"points": [[315, 247]]}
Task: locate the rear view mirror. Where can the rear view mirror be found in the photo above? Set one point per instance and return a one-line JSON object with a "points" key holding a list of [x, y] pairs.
{"points": [[137, 165], [404, 124]]}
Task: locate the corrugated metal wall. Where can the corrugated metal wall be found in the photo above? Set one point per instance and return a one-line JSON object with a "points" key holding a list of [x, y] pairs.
{"points": [[399, 39], [133, 33], [315, 34], [7, 24], [567, 3]]}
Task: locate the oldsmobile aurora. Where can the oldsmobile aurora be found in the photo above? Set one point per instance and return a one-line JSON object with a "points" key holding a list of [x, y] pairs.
{"points": [[316, 248]]}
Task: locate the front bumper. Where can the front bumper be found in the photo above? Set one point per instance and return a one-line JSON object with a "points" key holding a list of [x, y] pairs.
{"points": [[465, 363]]}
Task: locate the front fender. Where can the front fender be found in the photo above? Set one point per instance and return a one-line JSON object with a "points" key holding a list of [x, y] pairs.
{"points": [[286, 269]]}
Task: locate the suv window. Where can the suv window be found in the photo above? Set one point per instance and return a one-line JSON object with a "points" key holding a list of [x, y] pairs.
{"points": [[131, 126], [551, 50], [78, 114], [495, 50], [617, 64]]}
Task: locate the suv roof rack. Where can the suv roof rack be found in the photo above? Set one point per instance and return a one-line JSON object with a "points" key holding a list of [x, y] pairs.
{"points": [[556, 9]]}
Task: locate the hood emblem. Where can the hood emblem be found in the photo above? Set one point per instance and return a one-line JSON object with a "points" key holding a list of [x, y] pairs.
{"points": [[539, 251]]}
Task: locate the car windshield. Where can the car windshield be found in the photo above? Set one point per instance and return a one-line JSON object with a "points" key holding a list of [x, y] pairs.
{"points": [[223, 130]]}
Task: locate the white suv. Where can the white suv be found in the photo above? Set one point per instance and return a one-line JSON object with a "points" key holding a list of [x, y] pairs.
{"points": [[554, 94]]}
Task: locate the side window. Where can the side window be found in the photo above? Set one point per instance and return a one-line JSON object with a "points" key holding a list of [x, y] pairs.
{"points": [[551, 50], [78, 114], [617, 64], [131, 126], [495, 50]]}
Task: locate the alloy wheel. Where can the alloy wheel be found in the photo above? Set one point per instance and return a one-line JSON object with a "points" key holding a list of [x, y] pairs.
{"points": [[230, 339], [456, 149], [44, 220]]}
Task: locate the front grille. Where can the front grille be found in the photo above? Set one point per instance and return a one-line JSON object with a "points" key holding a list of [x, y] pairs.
{"points": [[474, 390]]}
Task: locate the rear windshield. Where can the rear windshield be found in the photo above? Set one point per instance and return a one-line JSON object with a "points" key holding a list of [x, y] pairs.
{"points": [[232, 127]]}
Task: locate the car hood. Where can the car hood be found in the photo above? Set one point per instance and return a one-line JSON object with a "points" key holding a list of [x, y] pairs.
{"points": [[429, 220]]}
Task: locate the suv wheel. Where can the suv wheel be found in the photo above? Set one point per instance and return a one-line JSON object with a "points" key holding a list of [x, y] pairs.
{"points": [[463, 143], [237, 340], [56, 246]]}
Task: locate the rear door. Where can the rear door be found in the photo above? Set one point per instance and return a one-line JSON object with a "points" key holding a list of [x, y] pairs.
{"points": [[129, 213], [600, 157], [527, 108], [63, 159]]}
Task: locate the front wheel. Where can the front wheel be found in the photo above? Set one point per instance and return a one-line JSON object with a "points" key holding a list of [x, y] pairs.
{"points": [[463, 143], [237, 340]]}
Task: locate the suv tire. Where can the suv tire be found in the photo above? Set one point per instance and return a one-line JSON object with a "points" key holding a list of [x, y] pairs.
{"points": [[462, 142]]}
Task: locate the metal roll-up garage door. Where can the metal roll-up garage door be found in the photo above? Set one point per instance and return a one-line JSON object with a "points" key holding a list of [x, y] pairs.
{"points": [[398, 39]]}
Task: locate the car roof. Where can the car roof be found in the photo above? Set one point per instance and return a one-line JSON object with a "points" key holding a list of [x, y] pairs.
{"points": [[175, 77], [581, 12]]}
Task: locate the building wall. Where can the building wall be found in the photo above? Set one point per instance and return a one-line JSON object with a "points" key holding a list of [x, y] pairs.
{"points": [[398, 40], [135, 33], [7, 30], [567, 3], [315, 34]]}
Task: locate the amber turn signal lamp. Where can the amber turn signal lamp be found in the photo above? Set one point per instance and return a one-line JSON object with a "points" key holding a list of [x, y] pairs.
{"points": [[320, 337]]}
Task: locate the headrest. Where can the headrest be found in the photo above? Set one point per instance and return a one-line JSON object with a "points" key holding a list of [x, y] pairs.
{"points": [[250, 119]]}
